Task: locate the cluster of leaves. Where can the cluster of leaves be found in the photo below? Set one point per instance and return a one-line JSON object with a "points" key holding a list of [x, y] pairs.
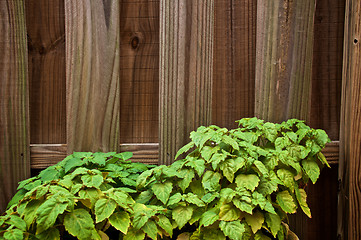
{"points": [[241, 183], [83, 196], [233, 184]]}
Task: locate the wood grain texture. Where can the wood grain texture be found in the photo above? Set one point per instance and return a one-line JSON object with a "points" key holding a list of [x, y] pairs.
{"points": [[349, 208], [139, 71], [14, 120], [186, 54], [327, 66], [45, 155], [234, 61], [45, 23], [284, 59], [284, 68], [92, 75]]}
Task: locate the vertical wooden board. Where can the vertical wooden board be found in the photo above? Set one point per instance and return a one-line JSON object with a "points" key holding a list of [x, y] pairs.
{"points": [[349, 211], [139, 71], [234, 61], [45, 22], [322, 200], [327, 66], [186, 61], [284, 59], [14, 137], [92, 75]]}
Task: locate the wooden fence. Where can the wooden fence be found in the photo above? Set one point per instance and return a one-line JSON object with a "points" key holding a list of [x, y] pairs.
{"points": [[139, 75]]}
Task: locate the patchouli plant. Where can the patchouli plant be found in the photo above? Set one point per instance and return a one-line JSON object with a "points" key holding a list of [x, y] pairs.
{"points": [[227, 184]]}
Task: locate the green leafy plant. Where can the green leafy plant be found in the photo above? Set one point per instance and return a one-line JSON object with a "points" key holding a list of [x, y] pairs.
{"points": [[227, 184]]}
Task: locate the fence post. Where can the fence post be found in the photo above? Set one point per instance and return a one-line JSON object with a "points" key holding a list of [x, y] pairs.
{"points": [[283, 66], [349, 210], [92, 73], [14, 137], [186, 58]]}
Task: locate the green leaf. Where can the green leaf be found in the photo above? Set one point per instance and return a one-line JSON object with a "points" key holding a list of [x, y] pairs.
{"points": [[270, 131], [243, 206], [92, 180], [249, 181], [30, 211], [323, 159], [213, 234], [267, 186], [208, 151], [162, 191], [227, 194], [255, 220], [187, 175], [229, 167], [233, 230], [250, 137], [184, 149], [17, 221], [302, 200], [17, 197], [209, 217], [286, 202], [192, 198], [261, 168], [209, 197], [104, 207], [124, 155], [287, 178], [91, 193], [261, 236], [217, 159], [228, 212], [182, 214], [134, 234], [150, 228], [230, 141], [121, 198], [48, 212], [210, 180], [273, 222], [79, 223], [99, 158], [72, 163], [50, 234], [14, 234], [311, 168], [264, 204], [197, 164], [174, 199], [82, 154], [121, 221], [144, 197], [49, 174], [164, 223]]}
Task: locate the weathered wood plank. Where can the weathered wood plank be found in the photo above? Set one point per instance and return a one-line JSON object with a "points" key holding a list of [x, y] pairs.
{"points": [[349, 214], [186, 59], [234, 61], [92, 75], [14, 121], [46, 49], [139, 71], [45, 155], [284, 68], [327, 66], [284, 59]]}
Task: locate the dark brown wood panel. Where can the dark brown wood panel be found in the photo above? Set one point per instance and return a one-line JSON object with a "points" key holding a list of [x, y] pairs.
{"points": [[92, 75], [14, 120], [234, 61], [139, 71], [327, 66], [45, 22]]}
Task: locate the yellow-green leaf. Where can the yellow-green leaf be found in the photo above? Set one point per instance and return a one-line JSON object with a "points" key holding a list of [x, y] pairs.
{"points": [[248, 181], [79, 224], [255, 220], [104, 208], [228, 212], [120, 221], [162, 191], [182, 214], [286, 202]]}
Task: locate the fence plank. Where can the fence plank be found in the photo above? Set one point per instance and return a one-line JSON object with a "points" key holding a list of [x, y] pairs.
{"points": [[45, 155], [139, 71], [92, 73], [186, 45], [284, 59], [234, 61], [327, 66], [283, 67], [46, 49], [14, 137], [349, 217]]}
